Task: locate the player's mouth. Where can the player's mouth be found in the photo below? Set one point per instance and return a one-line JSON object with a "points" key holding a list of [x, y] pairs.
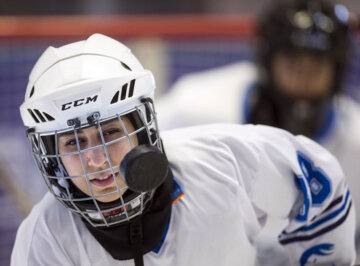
{"points": [[103, 181]]}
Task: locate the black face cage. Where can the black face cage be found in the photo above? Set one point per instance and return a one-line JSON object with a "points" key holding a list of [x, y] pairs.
{"points": [[49, 161]]}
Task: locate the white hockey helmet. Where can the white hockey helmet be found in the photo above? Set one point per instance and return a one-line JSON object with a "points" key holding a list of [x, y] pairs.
{"points": [[84, 84], [75, 80]]}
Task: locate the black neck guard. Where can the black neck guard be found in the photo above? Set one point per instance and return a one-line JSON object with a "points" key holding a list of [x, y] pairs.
{"points": [[143, 233]]}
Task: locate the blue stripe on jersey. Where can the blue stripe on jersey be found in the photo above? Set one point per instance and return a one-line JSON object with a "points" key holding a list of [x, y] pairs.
{"points": [[157, 249], [325, 219], [246, 104], [177, 191], [332, 205], [318, 233]]}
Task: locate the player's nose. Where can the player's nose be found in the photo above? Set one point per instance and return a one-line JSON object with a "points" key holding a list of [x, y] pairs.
{"points": [[96, 157]]}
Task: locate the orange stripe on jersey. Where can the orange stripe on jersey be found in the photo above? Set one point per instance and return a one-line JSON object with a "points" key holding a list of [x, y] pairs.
{"points": [[175, 200]]}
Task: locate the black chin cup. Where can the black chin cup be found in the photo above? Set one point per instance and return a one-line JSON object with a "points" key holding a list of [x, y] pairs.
{"points": [[144, 168]]}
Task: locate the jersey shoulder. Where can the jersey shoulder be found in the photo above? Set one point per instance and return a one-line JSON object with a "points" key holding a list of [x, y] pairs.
{"points": [[246, 140], [221, 131]]}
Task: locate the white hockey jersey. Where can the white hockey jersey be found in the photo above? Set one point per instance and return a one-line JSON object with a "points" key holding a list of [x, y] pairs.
{"points": [[229, 177], [223, 94]]}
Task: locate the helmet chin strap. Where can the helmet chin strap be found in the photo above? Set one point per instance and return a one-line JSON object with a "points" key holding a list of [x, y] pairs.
{"points": [[136, 240]]}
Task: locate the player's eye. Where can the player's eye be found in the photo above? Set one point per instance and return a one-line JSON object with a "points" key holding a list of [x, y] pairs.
{"points": [[112, 134], [72, 142], [111, 131]]}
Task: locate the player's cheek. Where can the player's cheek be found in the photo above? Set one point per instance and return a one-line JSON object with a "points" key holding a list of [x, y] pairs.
{"points": [[78, 182], [118, 150], [72, 164]]}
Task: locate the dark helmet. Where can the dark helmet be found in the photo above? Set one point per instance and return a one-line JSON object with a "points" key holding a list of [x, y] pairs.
{"points": [[292, 26], [305, 25]]}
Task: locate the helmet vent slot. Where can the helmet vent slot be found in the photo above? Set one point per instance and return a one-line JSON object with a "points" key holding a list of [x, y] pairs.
{"points": [[115, 99], [37, 116], [49, 117], [125, 66], [120, 97], [32, 91], [132, 85], [123, 91], [33, 116]]}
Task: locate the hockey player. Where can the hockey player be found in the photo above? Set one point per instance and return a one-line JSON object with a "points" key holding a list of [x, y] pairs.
{"points": [[296, 85], [94, 136]]}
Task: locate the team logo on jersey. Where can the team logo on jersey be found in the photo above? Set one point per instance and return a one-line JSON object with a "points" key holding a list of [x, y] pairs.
{"points": [[311, 255], [314, 183]]}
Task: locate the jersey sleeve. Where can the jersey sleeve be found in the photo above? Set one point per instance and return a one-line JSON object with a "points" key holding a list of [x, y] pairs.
{"points": [[33, 247], [40, 237], [296, 179]]}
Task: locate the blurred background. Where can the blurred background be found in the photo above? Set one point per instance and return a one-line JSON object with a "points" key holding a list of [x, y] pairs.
{"points": [[171, 38]]}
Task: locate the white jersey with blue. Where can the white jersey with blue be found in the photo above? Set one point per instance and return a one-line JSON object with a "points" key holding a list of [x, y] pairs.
{"points": [[223, 95], [228, 178]]}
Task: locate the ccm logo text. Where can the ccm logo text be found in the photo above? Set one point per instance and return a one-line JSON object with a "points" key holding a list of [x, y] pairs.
{"points": [[78, 102]]}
